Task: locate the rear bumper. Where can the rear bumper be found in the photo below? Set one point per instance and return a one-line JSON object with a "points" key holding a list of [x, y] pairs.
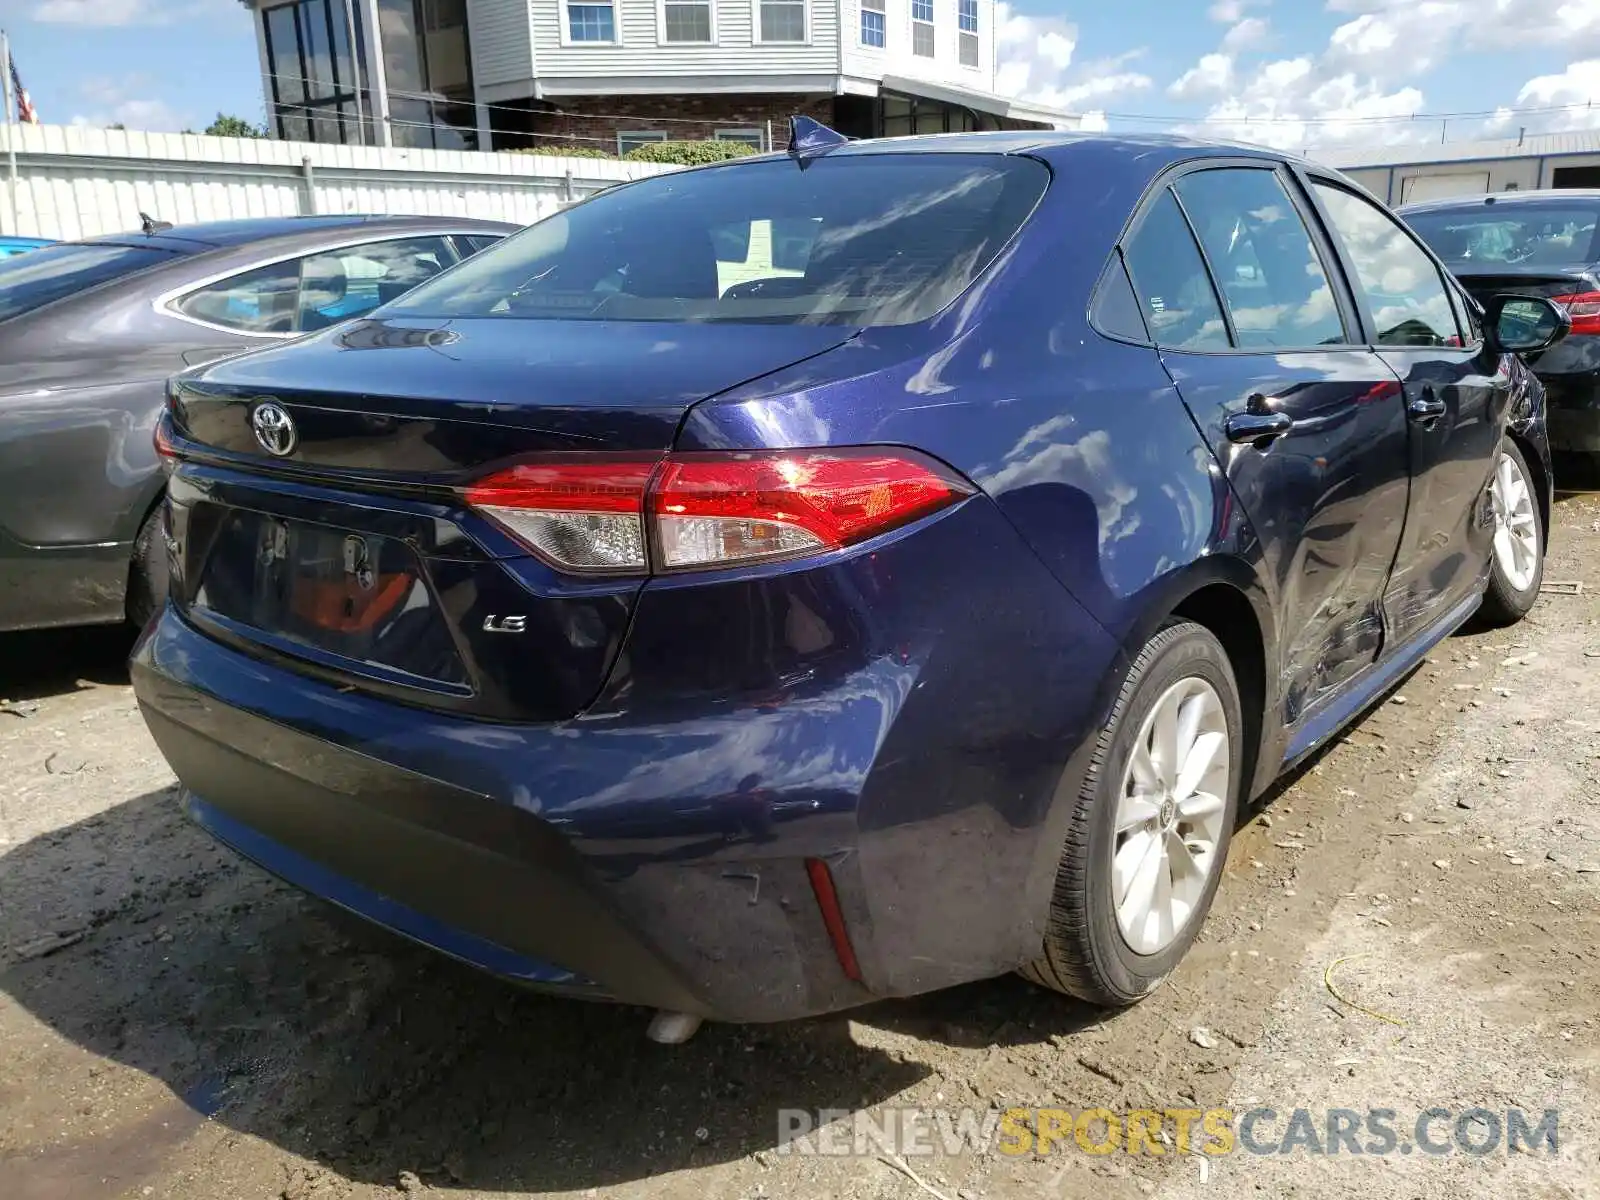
{"points": [[481, 877], [654, 852]]}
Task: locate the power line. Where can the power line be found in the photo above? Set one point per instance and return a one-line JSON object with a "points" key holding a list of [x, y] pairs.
{"points": [[1420, 116]]}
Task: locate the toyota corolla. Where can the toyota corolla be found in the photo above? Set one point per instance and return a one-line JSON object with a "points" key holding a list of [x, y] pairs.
{"points": [[839, 574]]}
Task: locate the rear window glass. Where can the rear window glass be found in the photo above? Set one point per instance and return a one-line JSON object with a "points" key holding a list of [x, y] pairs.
{"points": [[1536, 236], [32, 280], [869, 240]]}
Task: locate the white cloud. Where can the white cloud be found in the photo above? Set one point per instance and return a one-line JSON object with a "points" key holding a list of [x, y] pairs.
{"points": [[1251, 31], [1212, 75], [1579, 84], [1037, 63], [1227, 12], [127, 102], [1369, 68]]}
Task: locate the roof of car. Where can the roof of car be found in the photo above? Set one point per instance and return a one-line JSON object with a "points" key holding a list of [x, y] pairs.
{"points": [[1542, 195], [212, 235], [1016, 141]]}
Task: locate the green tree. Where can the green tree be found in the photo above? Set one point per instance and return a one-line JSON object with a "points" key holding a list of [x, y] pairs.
{"points": [[230, 126]]}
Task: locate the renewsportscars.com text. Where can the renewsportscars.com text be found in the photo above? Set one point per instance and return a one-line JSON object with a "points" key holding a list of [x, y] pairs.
{"points": [[913, 1132]]}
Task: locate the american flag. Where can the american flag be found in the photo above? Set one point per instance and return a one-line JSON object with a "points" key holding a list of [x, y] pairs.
{"points": [[25, 109]]}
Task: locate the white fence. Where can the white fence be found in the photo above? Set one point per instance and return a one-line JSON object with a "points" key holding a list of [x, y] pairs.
{"points": [[69, 182]]}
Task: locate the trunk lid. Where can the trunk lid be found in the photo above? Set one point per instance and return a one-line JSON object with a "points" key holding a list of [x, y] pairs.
{"points": [[426, 401], [351, 555], [1529, 281]]}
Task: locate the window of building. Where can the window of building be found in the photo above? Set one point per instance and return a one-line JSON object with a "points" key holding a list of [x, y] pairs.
{"points": [[1402, 290], [967, 38], [319, 290], [1170, 281], [313, 79], [750, 137], [922, 42], [591, 23], [632, 139], [1272, 278], [873, 25], [783, 20], [427, 65], [686, 21]]}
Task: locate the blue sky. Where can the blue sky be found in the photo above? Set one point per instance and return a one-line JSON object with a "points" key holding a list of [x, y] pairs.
{"points": [[1296, 72]]}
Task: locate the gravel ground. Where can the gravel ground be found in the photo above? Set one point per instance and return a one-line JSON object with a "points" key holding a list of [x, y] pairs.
{"points": [[174, 1024]]}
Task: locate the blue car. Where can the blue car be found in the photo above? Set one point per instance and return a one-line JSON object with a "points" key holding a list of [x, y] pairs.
{"points": [[10, 245], [838, 574]]}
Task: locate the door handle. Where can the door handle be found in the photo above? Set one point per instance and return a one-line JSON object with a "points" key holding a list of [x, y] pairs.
{"points": [[1257, 428], [1426, 408]]}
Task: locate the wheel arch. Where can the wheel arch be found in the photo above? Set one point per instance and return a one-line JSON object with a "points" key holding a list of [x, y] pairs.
{"points": [[1224, 595]]}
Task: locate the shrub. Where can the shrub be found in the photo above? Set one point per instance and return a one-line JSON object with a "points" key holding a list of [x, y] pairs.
{"points": [[564, 151], [688, 154]]}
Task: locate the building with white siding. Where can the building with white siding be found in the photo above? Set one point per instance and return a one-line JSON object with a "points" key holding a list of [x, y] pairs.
{"points": [[612, 74]]}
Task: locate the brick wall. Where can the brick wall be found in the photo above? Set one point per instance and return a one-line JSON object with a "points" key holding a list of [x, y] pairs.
{"points": [[596, 120]]}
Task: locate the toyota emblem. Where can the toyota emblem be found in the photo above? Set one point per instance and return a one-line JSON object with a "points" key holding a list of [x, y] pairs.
{"points": [[274, 429]]}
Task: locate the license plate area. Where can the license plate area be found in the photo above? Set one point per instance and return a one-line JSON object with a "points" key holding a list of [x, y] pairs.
{"points": [[358, 596]]}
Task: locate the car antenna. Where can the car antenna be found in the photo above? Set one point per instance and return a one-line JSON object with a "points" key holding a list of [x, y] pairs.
{"points": [[150, 225], [808, 139]]}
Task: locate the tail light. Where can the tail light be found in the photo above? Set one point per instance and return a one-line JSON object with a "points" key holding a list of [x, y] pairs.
{"points": [[1584, 309], [165, 450], [606, 514]]}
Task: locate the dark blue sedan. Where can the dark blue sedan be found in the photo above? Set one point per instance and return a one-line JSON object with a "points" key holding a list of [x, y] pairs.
{"points": [[842, 574]]}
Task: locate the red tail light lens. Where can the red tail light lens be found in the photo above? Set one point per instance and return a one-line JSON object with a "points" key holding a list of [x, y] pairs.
{"points": [[165, 450], [1584, 309], [708, 510], [718, 508]]}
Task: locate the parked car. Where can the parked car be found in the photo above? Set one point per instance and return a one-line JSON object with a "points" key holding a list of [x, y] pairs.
{"points": [[1544, 243], [20, 245], [633, 625], [89, 333]]}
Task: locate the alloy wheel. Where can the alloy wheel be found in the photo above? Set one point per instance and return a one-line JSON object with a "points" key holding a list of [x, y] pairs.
{"points": [[1169, 837], [1516, 532]]}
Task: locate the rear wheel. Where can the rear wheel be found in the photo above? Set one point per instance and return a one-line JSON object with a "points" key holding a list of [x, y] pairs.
{"points": [[1516, 559], [1147, 842], [147, 574]]}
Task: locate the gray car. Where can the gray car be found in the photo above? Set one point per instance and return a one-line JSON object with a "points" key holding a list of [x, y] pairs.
{"points": [[89, 333]]}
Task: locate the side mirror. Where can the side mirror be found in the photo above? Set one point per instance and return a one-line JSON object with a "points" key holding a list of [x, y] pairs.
{"points": [[1526, 324]]}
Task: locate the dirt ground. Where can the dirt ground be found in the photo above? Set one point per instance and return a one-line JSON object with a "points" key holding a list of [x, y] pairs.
{"points": [[175, 1024]]}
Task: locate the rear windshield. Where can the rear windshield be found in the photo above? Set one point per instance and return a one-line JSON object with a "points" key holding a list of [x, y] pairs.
{"points": [[857, 240], [1525, 235], [32, 280]]}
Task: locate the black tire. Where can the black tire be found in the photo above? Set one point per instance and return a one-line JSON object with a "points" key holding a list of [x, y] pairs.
{"points": [[1085, 954], [149, 571], [1503, 602]]}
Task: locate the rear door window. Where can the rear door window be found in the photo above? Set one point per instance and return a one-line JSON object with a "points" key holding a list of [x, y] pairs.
{"points": [[304, 294], [884, 239], [1404, 292], [1174, 291], [39, 277], [1270, 273]]}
